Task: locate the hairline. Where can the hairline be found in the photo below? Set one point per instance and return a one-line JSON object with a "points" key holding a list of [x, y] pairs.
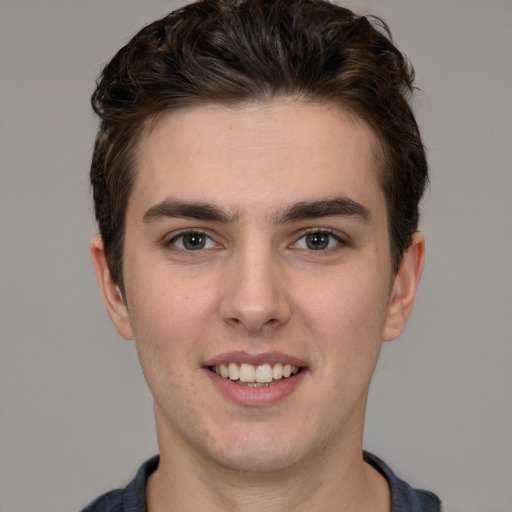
{"points": [[148, 124]]}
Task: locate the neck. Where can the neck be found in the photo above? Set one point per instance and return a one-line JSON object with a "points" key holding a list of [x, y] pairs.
{"points": [[337, 479]]}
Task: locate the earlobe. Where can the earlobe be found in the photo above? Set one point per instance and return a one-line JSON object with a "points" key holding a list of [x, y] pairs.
{"points": [[404, 288], [114, 301]]}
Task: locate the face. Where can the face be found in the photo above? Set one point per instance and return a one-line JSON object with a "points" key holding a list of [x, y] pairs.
{"points": [[258, 280]]}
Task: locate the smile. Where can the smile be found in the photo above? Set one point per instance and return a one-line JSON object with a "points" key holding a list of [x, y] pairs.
{"points": [[255, 375]]}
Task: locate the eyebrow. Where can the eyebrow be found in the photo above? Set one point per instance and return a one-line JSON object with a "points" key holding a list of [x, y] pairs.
{"points": [[339, 206], [194, 210]]}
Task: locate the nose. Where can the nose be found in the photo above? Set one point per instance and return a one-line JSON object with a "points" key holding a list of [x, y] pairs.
{"points": [[255, 295]]}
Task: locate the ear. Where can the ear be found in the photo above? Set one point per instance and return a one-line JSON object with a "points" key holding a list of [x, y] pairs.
{"points": [[404, 288], [116, 306]]}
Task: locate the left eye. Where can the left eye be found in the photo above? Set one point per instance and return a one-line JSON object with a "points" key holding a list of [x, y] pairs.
{"points": [[317, 241], [192, 241]]}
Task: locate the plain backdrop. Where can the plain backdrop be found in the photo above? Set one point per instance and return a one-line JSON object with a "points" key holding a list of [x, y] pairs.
{"points": [[76, 418]]}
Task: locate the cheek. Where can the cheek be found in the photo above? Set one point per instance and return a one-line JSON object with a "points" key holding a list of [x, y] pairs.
{"points": [[348, 320], [166, 324], [354, 305], [166, 317], [164, 302]]}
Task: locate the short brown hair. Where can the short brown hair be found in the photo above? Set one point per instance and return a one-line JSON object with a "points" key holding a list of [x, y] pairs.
{"points": [[235, 51]]}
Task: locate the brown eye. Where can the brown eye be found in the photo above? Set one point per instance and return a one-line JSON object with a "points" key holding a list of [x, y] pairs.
{"points": [[318, 241], [192, 241]]}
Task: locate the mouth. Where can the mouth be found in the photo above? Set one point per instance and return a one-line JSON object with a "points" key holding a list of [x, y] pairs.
{"points": [[250, 375]]}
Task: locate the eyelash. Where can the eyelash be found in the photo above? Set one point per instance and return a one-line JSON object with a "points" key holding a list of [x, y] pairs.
{"points": [[209, 241], [340, 241], [198, 232]]}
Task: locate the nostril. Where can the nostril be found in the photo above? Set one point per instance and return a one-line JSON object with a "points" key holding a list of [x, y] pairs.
{"points": [[254, 301]]}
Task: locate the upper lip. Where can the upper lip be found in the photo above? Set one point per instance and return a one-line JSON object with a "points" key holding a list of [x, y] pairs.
{"points": [[254, 359]]}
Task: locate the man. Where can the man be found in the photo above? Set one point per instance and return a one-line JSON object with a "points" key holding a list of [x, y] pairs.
{"points": [[256, 180]]}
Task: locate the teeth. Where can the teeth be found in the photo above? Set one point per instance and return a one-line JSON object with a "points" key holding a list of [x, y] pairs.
{"points": [[277, 372], [233, 371], [247, 373], [264, 373]]}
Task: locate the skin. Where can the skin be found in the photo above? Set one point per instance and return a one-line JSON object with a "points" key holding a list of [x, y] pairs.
{"points": [[256, 286]]}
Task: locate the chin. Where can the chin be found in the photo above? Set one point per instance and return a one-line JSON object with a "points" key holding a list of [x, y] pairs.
{"points": [[260, 462], [259, 453]]}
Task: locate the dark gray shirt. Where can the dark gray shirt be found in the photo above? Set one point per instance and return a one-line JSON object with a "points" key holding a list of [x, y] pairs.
{"points": [[133, 497]]}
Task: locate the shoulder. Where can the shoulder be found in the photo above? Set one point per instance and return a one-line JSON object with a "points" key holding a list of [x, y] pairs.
{"points": [[404, 498], [130, 499], [109, 502]]}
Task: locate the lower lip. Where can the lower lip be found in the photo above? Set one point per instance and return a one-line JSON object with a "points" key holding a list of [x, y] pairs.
{"points": [[256, 396]]}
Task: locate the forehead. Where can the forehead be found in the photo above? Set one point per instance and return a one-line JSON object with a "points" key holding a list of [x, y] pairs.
{"points": [[257, 155]]}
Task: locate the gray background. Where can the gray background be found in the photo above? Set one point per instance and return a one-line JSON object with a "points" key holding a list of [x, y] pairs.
{"points": [[76, 418]]}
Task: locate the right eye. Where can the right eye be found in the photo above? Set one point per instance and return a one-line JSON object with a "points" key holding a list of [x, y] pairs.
{"points": [[319, 240], [192, 241]]}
